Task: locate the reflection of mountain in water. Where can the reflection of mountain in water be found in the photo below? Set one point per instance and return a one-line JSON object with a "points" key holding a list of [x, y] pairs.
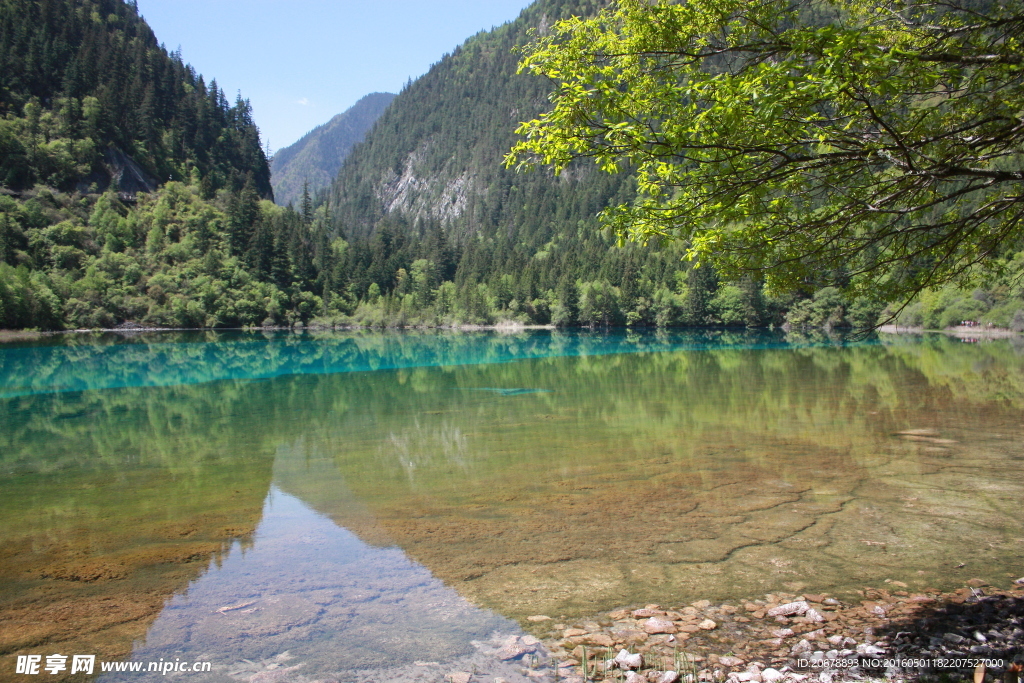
{"points": [[112, 502], [89, 574]]}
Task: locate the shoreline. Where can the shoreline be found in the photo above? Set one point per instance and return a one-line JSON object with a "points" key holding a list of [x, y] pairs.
{"points": [[793, 638], [959, 332], [20, 335]]}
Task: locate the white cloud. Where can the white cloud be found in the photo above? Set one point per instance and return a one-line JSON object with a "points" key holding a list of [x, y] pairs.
{"points": [[304, 102]]}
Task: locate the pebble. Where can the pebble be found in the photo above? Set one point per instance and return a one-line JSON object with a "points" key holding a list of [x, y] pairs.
{"points": [[656, 625], [460, 677], [600, 639], [962, 624], [789, 609], [869, 650], [625, 660], [517, 646]]}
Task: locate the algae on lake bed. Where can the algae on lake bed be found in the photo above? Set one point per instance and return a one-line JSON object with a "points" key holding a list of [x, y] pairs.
{"points": [[114, 502]]}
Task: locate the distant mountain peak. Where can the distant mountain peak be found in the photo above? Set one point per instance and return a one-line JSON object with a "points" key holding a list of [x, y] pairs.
{"points": [[317, 156]]}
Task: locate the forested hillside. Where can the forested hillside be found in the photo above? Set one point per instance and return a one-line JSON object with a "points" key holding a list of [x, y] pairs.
{"points": [[313, 161], [84, 84], [437, 227], [132, 190]]}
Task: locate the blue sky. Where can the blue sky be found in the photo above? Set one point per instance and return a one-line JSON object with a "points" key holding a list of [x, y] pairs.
{"points": [[300, 62]]}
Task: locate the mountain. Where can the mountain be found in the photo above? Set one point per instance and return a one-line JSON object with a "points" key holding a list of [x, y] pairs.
{"points": [[317, 156], [436, 153], [132, 190], [430, 212], [89, 98], [438, 230]]}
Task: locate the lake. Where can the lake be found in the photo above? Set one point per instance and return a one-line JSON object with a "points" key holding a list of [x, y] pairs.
{"points": [[393, 506]]}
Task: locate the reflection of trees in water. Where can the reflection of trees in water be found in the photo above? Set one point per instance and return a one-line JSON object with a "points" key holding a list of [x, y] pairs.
{"points": [[418, 446], [114, 501], [234, 419]]}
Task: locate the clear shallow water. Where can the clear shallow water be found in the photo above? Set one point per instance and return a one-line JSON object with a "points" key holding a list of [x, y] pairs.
{"points": [[309, 596], [530, 478]]}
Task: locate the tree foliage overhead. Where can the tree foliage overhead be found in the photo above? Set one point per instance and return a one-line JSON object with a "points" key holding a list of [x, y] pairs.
{"points": [[880, 140]]}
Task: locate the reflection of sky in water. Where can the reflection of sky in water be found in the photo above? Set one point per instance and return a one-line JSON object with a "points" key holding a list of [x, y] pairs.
{"points": [[314, 590]]}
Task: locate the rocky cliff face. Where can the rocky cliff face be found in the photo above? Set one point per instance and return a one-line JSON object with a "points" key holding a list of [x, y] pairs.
{"points": [[418, 193], [436, 153]]}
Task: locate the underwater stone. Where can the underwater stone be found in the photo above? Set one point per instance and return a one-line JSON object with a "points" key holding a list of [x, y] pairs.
{"points": [[655, 625], [789, 609]]}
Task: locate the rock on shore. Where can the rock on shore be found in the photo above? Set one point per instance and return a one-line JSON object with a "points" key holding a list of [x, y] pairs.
{"points": [[788, 638]]}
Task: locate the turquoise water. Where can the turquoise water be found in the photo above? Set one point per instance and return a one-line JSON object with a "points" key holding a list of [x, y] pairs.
{"points": [[67, 364], [396, 504]]}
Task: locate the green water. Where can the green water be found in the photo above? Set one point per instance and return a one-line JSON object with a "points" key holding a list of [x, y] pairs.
{"points": [[435, 486]]}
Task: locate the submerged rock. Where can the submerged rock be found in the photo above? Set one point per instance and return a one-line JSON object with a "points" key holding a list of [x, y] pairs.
{"points": [[656, 625], [625, 660], [801, 647], [517, 646], [789, 609]]}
